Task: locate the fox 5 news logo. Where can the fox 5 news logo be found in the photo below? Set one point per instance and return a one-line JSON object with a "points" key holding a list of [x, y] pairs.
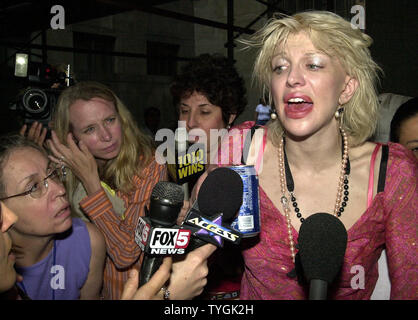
{"points": [[142, 233], [161, 240], [169, 241]]}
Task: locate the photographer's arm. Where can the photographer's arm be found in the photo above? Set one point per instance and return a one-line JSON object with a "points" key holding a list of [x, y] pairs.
{"points": [[36, 133]]}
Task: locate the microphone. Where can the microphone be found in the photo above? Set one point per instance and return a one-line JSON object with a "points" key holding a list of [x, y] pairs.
{"points": [[322, 242], [165, 205], [219, 199], [156, 234], [222, 191]]}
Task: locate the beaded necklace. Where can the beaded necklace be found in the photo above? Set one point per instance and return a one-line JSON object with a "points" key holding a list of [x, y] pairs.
{"points": [[286, 175]]}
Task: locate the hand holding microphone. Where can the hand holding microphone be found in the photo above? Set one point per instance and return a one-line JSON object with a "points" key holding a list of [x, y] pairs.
{"points": [[188, 276], [219, 199], [152, 289]]}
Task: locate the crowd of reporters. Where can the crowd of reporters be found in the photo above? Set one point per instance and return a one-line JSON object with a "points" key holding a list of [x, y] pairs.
{"points": [[81, 192]]}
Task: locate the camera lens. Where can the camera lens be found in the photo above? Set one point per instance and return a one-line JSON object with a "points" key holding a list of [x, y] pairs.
{"points": [[35, 101]]}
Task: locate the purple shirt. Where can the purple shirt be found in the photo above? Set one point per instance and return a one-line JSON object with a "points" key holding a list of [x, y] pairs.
{"points": [[63, 279]]}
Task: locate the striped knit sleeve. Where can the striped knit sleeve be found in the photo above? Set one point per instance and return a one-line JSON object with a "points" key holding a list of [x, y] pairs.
{"points": [[120, 234]]}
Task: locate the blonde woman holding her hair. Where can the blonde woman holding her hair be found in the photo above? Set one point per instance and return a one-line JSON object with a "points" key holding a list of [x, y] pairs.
{"points": [[111, 171]]}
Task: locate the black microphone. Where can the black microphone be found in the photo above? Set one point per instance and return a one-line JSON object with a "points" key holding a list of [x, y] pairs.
{"points": [[165, 205], [322, 242], [220, 193]]}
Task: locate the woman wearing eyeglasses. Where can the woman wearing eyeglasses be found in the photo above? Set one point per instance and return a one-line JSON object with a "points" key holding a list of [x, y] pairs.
{"points": [[44, 231], [46, 240]]}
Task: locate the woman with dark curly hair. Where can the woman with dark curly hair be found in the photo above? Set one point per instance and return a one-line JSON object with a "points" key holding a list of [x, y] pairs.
{"points": [[208, 94], [404, 125]]}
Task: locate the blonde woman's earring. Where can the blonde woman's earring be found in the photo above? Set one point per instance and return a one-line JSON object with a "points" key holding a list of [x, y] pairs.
{"points": [[339, 114], [273, 114]]}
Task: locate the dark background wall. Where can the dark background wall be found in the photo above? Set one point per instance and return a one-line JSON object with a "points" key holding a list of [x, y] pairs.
{"points": [[391, 23], [393, 26]]}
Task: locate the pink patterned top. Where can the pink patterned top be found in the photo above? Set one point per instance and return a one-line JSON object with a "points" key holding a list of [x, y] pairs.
{"points": [[389, 222]]}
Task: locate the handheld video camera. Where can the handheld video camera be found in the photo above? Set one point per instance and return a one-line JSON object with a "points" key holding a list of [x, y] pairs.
{"points": [[43, 85]]}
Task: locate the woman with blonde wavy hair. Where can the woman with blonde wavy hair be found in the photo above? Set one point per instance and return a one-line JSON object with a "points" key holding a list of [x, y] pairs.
{"points": [[319, 74], [110, 173], [136, 151]]}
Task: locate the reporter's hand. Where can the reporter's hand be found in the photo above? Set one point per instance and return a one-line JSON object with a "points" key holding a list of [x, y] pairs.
{"points": [[152, 289], [36, 133], [183, 212], [188, 277]]}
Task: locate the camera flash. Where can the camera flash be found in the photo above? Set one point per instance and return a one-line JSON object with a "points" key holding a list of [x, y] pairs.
{"points": [[21, 65]]}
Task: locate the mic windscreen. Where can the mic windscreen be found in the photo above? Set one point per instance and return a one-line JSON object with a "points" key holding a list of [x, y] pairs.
{"points": [[168, 192], [221, 192], [322, 242], [165, 204]]}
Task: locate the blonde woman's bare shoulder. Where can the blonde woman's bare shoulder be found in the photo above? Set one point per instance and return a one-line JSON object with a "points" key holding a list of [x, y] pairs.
{"points": [[362, 152]]}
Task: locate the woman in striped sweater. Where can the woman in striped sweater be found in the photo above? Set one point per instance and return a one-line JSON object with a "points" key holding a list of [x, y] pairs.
{"points": [[110, 177]]}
